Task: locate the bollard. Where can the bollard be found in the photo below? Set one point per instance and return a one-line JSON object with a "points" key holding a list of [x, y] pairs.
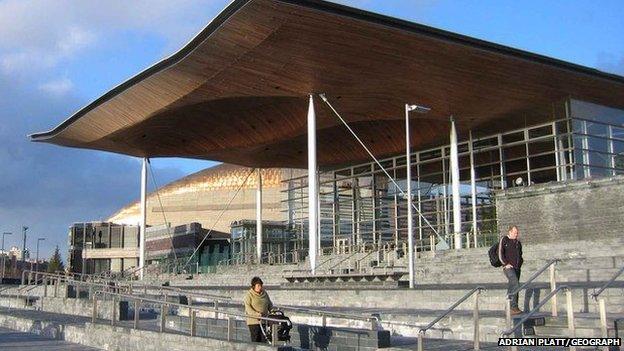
{"points": [[230, 328], [94, 312], [163, 317], [137, 310], [569, 307], [553, 287], [56, 285], [192, 322], [24, 278], [90, 292], [113, 310], [216, 307], [475, 318], [421, 337], [323, 320]]}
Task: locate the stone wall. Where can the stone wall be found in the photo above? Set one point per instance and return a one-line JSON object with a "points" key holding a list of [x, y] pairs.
{"points": [[566, 210]]}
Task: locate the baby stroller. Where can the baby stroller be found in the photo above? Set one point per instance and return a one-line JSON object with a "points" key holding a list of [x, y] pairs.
{"points": [[283, 328]]}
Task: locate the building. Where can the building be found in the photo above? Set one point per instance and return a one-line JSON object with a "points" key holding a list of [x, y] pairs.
{"points": [[102, 246], [204, 197], [265, 86]]}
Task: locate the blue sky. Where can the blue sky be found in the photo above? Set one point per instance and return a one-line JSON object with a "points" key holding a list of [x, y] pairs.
{"points": [[57, 55]]}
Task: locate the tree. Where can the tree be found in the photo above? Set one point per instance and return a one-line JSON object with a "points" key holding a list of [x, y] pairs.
{"points": [[56, 262]]}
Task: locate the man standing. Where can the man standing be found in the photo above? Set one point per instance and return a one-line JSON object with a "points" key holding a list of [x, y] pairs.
{"points": [[510, 254]]}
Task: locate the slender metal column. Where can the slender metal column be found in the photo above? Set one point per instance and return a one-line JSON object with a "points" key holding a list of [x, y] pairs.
{"points": [[455, 187], [312, 187], [410, 215], [259, 217], [143, 219], [473, 188]]}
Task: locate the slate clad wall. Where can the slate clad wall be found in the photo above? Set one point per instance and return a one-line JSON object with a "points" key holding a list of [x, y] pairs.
{"points": [[571, 210]]}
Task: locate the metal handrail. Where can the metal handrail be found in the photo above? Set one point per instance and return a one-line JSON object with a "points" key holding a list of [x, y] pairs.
{"points": [[534, 310], [190, 307], [607, 284], [70, 280], [533, 277], [450, 309], [180, 291]]}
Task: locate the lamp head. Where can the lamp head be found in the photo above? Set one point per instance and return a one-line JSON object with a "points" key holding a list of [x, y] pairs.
{"points": [[418, 108]]}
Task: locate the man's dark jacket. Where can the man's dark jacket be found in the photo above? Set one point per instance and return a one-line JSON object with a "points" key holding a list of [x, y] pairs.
{"points": [[510, 252]]}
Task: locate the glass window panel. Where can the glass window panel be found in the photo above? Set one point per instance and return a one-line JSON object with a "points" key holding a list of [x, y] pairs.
{"points": [[514, 152], [619, 161], [617, 133], [428, 155], [548, 175], [515, 166], [513, 137], [598, 159], [597, 129], [540, 132], [618, 147], [597, 172], [542, 146], [483, 143], [562, 127], [598, 144], [586, 110], [543, 161], [486, 157], [577, 126]]}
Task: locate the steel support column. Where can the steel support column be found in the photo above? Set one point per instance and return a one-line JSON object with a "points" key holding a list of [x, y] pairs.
{"points": [[312, 187], [410, 214], [259, 217], [473, 189], [143, 219], [454, 161]]}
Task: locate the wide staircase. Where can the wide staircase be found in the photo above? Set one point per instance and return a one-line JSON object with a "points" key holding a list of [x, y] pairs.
{"points": [[459, 302]]}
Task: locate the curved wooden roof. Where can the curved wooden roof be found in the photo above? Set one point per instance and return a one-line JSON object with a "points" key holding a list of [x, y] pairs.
{"points": [[238, 91]]}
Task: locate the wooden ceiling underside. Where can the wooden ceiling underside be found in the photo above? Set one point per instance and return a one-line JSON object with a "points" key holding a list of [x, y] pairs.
{"points": [[238, 92]]}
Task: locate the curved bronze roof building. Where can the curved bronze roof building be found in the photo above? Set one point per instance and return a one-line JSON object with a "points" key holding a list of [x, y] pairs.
{"points": [[238, 91], [202, 196]]}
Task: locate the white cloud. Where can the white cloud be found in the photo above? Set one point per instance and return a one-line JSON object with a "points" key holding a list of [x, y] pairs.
{"points": [[57, 87], [36, 35]]}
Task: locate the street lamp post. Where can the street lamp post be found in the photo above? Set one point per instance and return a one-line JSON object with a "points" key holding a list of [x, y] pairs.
{"points": [[37, 259], [3, 255]]}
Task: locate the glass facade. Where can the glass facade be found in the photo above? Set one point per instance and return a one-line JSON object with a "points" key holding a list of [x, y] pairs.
{"points": [[361, 205]]}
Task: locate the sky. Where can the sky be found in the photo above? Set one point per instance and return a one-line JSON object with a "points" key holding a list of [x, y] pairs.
{"points": [[58, 55]]}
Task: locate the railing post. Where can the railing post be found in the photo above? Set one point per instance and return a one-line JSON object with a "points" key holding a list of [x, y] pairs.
{"points": [[421, 337], [509, 320], [603, 320], [94, 312], [475, 317], [45, 286], [323, 320], [553, 287], [163, 317], [90, 292], [24, 278], [137, 310], [274, 337], [113, 310], [570, 310], [216, 307], [230, 328], [193, 323], [56, 286]]}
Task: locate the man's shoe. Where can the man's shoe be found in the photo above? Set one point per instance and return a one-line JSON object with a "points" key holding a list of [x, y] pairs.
{"points": [[516, 311]]}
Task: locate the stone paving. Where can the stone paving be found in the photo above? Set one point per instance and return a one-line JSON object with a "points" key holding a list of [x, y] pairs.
{"points": [[20, 341]]}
